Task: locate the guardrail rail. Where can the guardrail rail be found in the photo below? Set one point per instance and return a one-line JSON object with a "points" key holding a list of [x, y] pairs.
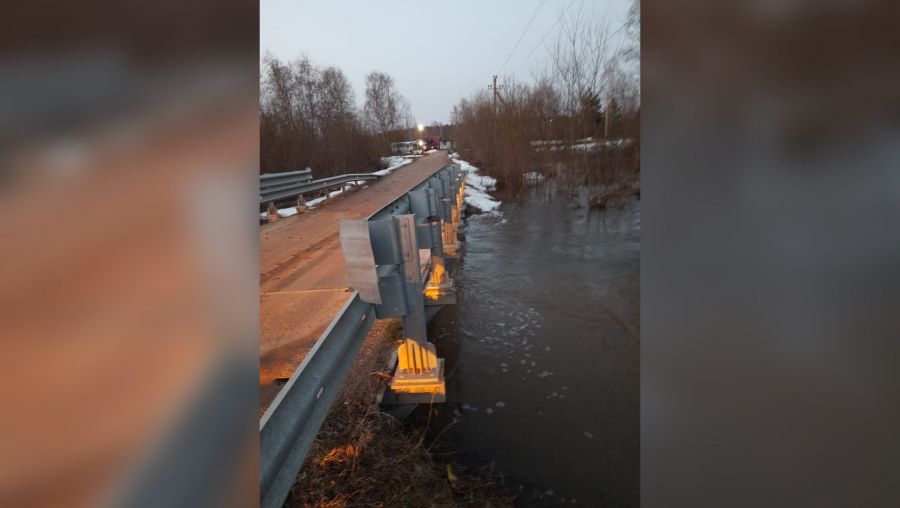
{"points": [[276, 186]]}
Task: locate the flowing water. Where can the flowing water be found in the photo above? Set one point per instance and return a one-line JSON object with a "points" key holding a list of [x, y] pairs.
{"points": [[542, 351]]}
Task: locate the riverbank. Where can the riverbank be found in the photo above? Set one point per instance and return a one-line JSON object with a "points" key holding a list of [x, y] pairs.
{"points": [[363, 455]]}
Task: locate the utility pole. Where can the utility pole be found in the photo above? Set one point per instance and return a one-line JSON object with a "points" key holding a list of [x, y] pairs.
{"points": [[606, 116], [494, 87]]}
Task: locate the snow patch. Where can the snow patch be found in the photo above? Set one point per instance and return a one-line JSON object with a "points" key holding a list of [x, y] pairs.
{"points": [[584, 144], [282, 212], [477, 187], [393, 163], [480, 200], [316, 202], [534, 176]]}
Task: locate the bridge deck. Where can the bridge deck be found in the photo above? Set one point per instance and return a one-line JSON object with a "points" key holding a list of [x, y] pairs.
{"points": [[302, 279]]}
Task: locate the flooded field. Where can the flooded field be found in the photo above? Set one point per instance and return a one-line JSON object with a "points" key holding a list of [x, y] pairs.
{"points": [[543, 351]]}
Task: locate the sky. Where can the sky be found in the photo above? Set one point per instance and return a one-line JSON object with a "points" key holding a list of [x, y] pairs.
{"points": [[437, 52]]}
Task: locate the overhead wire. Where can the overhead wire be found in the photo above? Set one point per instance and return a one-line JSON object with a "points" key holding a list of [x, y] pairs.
{"points": [[558, 20], [522, 35]]}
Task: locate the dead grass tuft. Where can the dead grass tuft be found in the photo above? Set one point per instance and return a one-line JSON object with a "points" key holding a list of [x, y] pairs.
{"points": [[364, 457]]}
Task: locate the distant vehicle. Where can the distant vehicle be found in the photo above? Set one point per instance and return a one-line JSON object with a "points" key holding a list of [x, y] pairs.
{"points": [[432, 142], [404, 147], [419, 147]]}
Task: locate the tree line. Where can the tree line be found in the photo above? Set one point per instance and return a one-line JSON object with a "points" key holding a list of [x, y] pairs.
{"points": [[309, 118], [579, 119]]}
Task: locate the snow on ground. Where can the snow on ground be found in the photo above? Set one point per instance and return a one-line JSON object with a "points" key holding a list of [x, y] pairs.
{"points": [[393, 163], [477, 186], [482, 183], [480, 200], [534, 176], [585, 144], [313, 203]]}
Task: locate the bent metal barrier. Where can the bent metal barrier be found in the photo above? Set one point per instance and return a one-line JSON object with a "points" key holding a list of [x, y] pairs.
{"points": [[395, 260]]}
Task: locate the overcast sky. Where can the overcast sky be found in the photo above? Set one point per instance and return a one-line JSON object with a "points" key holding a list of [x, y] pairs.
{"points": [[438, 52]]}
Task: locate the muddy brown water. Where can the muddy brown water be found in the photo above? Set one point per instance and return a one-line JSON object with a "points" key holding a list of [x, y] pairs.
{"points": [[542, 351]]}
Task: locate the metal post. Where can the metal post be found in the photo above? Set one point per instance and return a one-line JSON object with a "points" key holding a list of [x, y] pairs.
{"points": [[438, 269], [447, 199], [425, 205], [414, 321]]}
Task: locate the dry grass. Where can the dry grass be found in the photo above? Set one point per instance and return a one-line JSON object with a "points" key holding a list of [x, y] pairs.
{"points": [[364, 457], [615, 197]]}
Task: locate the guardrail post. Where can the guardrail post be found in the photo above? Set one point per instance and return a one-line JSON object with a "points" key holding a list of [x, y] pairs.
{"points": [[420, 373], [414, 323], [461, 190], [448, 199], [301, 204], [382, 256], [439, 288]]}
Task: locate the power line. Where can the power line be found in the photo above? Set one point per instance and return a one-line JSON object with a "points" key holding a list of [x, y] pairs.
{"points": [[527, 26], [545, 36]]}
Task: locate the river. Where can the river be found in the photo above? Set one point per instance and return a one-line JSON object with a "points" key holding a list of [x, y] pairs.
{"points": [[542, 351]]}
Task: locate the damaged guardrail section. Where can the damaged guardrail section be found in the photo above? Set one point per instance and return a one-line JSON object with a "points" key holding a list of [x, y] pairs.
{"points": [[395, 262]]}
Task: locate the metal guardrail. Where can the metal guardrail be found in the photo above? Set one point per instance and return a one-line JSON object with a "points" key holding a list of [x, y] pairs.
{"points": [[290, 424], [274, 187], [269, 180], [304, 402], [187, 468]]}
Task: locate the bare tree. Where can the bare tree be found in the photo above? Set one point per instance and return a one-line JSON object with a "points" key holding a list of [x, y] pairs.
{"points": [[631, 52], [305, 89], [336, 100], [308, 117], [277, 120], [383, 106], [579, 122]]}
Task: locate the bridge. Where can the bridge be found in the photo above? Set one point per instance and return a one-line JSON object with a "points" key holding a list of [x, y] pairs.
{"points": [[388, 243]]}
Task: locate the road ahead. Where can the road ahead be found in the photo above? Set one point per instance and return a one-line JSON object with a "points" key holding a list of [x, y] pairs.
{"points": [[302, 279]]}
